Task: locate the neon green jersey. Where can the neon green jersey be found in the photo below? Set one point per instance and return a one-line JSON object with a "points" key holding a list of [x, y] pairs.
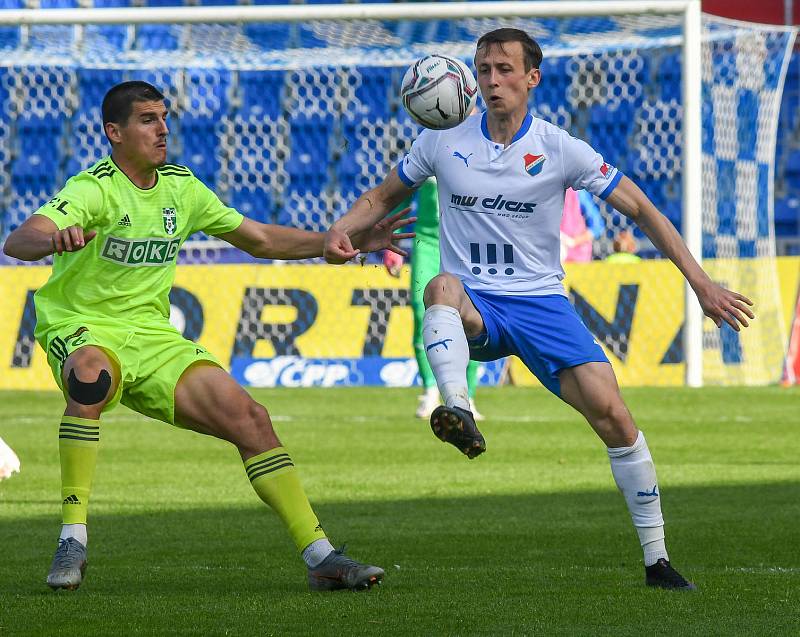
{"points": [[125, 273]]}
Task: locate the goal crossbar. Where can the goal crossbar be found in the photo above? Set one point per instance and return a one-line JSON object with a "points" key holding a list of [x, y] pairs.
{"points": [[300, 13]]}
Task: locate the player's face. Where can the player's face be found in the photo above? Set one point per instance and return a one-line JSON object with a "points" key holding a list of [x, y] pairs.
{"points": [[143, 137], [502, 78]]}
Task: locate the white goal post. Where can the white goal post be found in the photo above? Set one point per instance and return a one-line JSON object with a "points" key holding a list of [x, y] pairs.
{"points": [[691, 89]]}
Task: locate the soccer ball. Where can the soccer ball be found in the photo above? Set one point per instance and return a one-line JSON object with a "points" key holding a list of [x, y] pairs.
{"points": [[439, 92]]}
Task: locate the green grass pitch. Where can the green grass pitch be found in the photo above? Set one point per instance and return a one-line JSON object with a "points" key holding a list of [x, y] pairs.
{"points": [[531, 538]]}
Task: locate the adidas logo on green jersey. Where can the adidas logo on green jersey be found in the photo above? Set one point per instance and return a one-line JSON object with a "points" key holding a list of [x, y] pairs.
{"points": [[125, 221], [135, 252]]}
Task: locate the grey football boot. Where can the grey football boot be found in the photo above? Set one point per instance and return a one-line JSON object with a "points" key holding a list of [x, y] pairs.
{"points": [[337, 571], [69, 565]]}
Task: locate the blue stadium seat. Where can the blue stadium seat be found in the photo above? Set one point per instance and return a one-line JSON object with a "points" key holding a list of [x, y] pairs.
{"points": [[255, 204], [87, 141], [363, 162], [38, 145], [308, 159], [200, 141], [378, 90], [787, 217], [793, 165], [206, 92], [108, 36], [29, 191], [424, 31], [307, 210], [554, 88], [609, 129], [58, 4], [10, 35], [262, 92], [157, 37], [589, 25], [668, 77], [93, 84], [217, 3], [269, 36]]}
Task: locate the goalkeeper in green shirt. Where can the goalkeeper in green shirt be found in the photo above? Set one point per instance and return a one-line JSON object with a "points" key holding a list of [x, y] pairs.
{"points": [[102, 317], [425, 266]]}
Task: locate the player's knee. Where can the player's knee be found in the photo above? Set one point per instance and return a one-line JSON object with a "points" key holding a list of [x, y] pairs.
{"points": [[255, 421], [88, 392], [614, 420], [442, 289]]}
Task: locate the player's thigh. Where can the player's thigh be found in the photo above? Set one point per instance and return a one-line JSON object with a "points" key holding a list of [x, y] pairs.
{"points": [[208, 400], [592, 389]]}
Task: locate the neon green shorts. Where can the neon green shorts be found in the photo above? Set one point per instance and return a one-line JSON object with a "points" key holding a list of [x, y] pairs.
{"points": [[151, 360]]}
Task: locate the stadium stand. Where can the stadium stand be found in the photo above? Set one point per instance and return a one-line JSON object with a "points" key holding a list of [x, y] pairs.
{"points": [[266, 139]]}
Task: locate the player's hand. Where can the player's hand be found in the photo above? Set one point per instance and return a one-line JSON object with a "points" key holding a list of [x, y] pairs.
{"points": [[382, 235], [393, 263], [71, 239], [721, 305], [338, 249]]}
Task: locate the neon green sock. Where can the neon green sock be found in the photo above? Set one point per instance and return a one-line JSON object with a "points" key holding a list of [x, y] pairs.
{"points": [[472, 378], [275, 480], [78, 442]]}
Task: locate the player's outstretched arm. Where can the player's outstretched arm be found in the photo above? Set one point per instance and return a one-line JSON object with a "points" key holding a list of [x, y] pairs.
{"points": [[39, 237], [269, 241], [718, 303], [367, 211]]}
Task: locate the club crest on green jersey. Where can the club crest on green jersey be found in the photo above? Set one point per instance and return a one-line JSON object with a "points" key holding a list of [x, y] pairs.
{"points": [[170, 220]]}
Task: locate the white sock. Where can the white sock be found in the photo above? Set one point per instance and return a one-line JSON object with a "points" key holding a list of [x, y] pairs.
{"points": [[316, 552], [635, 475], [448, 353], [431, 393], [78, 531]]}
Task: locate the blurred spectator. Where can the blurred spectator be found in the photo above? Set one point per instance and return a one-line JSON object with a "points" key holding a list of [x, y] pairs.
{"points": [[581, 224], [624, 249]]}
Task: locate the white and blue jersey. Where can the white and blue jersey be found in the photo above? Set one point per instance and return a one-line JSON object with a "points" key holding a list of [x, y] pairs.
{"points": [[500, 213], [501, 206]]}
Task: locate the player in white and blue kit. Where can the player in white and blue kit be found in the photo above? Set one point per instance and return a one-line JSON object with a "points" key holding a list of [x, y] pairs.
{"points": [[502, 177]]}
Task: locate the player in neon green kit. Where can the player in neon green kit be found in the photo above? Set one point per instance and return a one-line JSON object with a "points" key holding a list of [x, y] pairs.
{"points": [[425, 266], [102, 318]]}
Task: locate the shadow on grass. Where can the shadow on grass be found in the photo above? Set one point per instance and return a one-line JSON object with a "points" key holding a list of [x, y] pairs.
{"points": [[576, 551]]}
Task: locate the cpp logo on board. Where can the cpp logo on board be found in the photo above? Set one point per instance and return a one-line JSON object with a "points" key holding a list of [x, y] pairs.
{"points": [[294, 371]]}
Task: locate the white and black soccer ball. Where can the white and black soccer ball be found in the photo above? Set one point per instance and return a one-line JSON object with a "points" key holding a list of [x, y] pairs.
{"points": [[439, 92]]}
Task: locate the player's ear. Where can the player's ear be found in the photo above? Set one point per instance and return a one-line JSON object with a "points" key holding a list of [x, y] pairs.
{"points": [[112, 132], [534, 77]]}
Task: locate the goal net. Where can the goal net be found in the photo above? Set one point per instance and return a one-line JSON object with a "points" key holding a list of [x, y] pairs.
{"points": [[289, 121]]}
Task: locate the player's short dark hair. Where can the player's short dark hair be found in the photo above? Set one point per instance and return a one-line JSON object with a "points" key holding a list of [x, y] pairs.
{"points": [[118, 102], [531, 51]]}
